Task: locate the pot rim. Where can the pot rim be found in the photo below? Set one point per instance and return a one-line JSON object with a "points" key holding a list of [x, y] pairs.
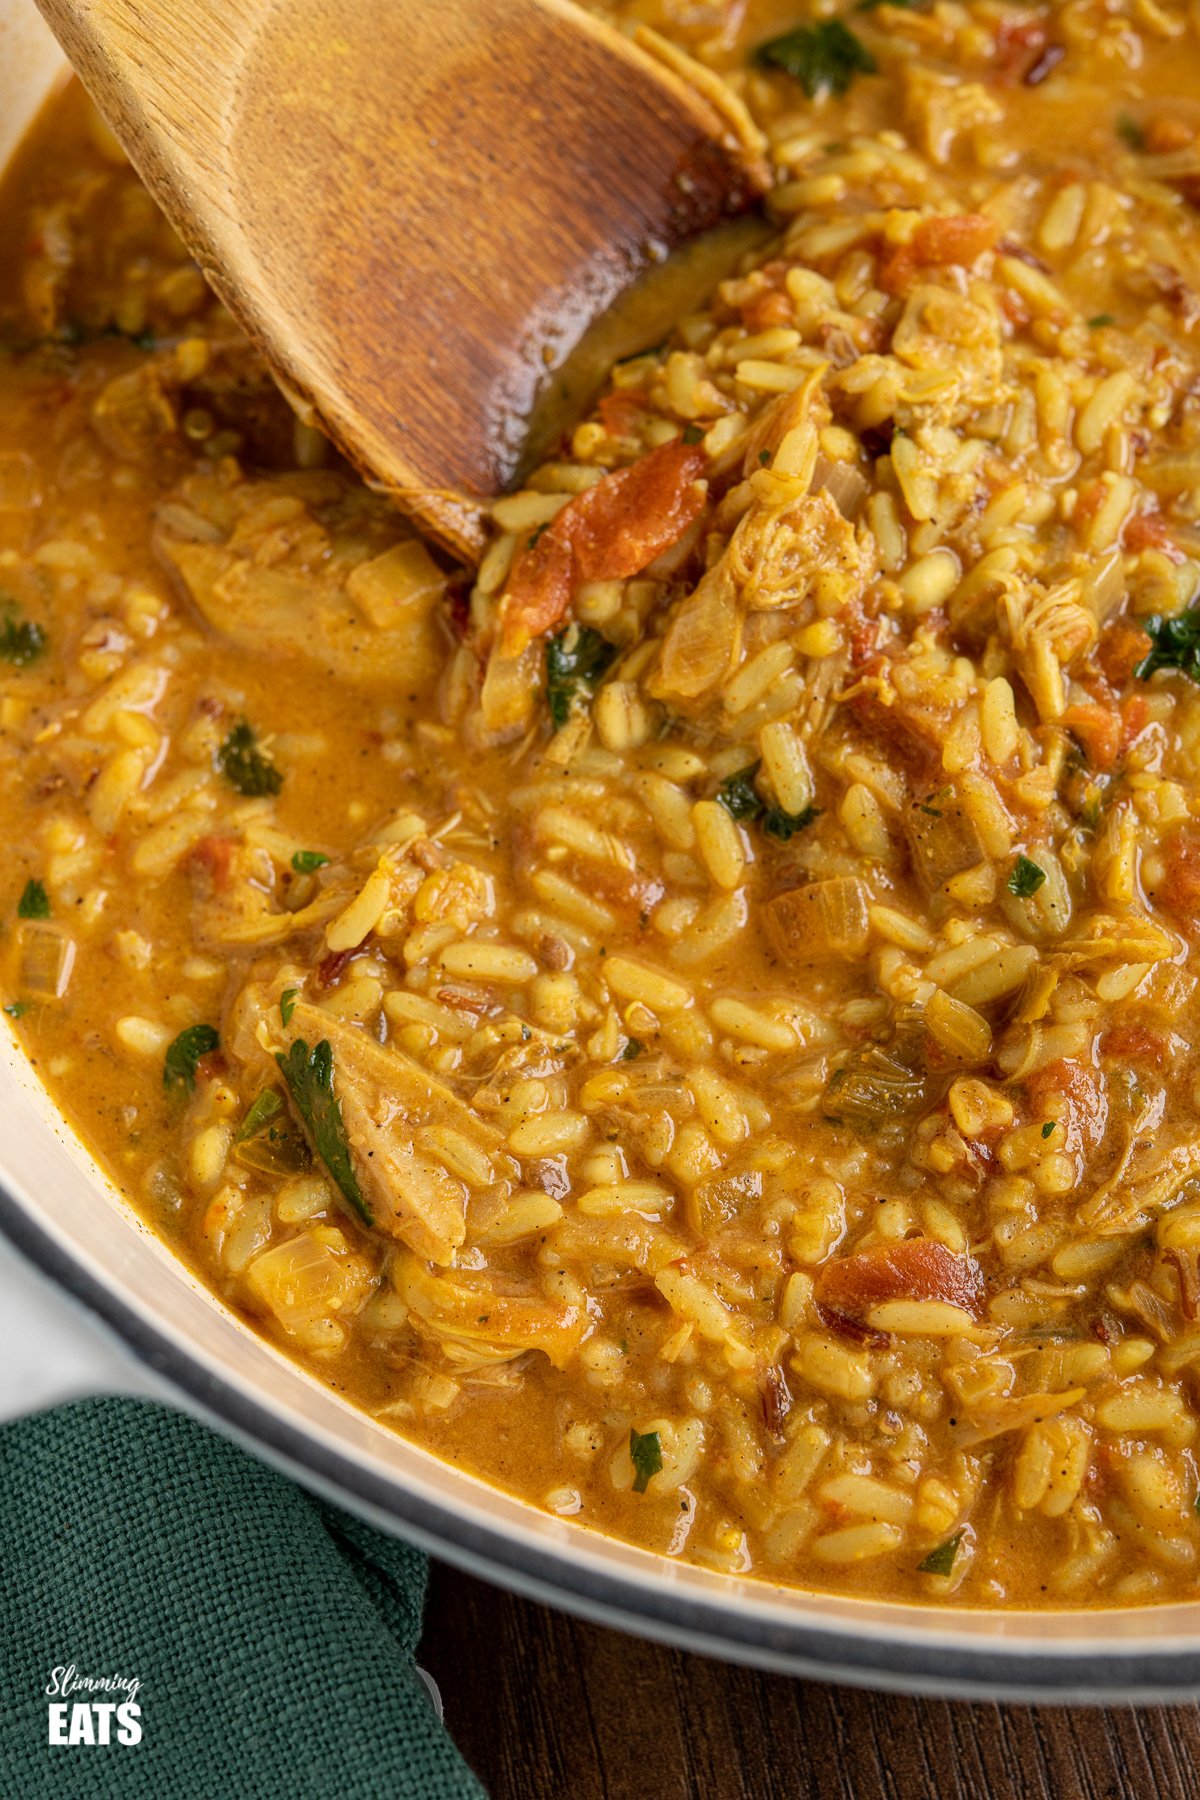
{"points": [[940, 1662]]}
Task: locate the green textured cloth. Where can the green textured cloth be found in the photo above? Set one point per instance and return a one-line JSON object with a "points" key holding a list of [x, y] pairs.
{"points": [[272, 1636]]}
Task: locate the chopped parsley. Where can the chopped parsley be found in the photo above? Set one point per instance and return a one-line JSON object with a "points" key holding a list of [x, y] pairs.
{"points": [[307, 862], [287, 1004], [692, 434], [902, 5], [267, 1107], [632, 1049], [309, 1077], [1176, 644], [17, 1009], [764, 457], [244, 765], [1026, 878], [823, 58], [21, 641], [940, 1561], [34, 902], [575, 661], [742, 801], [1099, 320], [645, 1452], [179, 1064], [1130, 132], [739, 796], [926, 805], [784, 825], [1048, 1128]]}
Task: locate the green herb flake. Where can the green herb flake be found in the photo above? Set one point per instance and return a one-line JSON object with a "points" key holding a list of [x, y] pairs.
{"points": [[940, 1561], [17, 1009], [1026, 878], [244, 766], [1099, 320], [1176, 644], [575, 662], [823, 58], [900, 5], [1130, 132], [764, 457], [307, 862], [1196, 1505], [692, 434], [267, 1107], [309, 1077], [531, 542], [742, 801], [739, 796], [1048, 1128], [287, 1004], [632, 1050], [784, 825], [645, 1452], [21, 641], [179, 1064], [34, 902]]}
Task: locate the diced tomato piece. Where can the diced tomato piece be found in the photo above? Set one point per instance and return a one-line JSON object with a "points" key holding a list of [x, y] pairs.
{"points": [[539, 589], [1091, 499], [1146, 531], [898, 272], [211, 1066], [1181, 889], [610, 531], [211, 857], [626, 520], [959, 239], [767, 310], [1122, 648], [1133, 1043], [1087, 1108], [619, 411], [862, 636], [916, 1269], [1099, 730], [1167, 133], [1134, 715]]}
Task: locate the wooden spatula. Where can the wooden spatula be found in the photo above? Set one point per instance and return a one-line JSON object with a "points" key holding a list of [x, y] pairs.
{"points": [[413, 206]]}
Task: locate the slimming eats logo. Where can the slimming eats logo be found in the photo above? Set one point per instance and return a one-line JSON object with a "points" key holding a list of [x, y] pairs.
{"points": [[93, 1709]]}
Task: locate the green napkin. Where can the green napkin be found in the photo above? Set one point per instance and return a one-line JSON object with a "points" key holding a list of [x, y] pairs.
{"points": [[272, 1636]]}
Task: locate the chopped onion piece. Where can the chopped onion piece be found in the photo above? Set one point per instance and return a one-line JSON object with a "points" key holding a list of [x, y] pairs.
{"points": [[47, 956], [847, 486], [300, 1281], [826, 918]]}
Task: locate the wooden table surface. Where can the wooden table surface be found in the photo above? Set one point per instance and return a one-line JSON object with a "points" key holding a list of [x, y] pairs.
{"points": [[546, 1708]]}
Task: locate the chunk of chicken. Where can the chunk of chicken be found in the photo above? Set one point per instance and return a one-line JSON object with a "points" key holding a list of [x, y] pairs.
{"points": [[308, 566], [396, 1117]]}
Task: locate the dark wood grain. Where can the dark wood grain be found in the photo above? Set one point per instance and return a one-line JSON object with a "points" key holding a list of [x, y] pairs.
{"points": [[547, 1708]]}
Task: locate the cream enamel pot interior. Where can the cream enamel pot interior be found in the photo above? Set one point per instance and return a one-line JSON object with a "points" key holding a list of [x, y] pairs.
{"points": [[62, 1215]]}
